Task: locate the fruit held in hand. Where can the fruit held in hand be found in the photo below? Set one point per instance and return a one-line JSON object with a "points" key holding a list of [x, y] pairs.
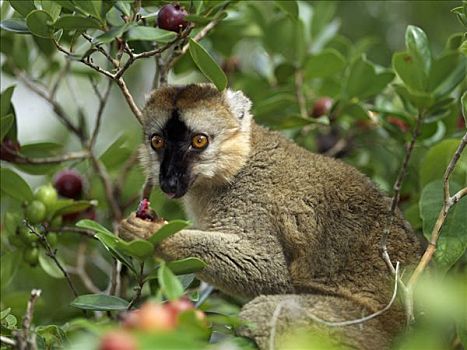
{"points": [[69, 184], [144, 211], [8, 149], [321, 107], [172, 17], [47, 195], [118, 340], [36, 212]]}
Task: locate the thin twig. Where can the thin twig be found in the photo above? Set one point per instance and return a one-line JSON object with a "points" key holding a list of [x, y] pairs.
{"points": [[299, 93], [64, 71], [448, 203], [138, 288], [24, 339], [129, 98], [20, 159], [108, 188], [101, 50], [52, 254], [102, 103], [7, 341], [397, 189], [80, 270]]}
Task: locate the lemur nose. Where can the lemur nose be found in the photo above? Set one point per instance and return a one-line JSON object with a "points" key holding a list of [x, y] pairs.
{"points": [[169, 185]]}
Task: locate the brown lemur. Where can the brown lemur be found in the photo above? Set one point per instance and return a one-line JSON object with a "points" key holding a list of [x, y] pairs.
{"points": [[274, 222]]}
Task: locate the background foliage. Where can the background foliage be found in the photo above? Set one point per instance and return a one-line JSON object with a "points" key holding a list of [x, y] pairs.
{"points": [[392, 70]]}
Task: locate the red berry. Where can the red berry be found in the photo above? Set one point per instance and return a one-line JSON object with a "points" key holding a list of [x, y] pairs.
{"points": [[8, 149], [460, 122], [402, 125], [69, 184], [321, 107], [118, 340], [180, 305], [144, 211], [156, 317], [172, 17]]}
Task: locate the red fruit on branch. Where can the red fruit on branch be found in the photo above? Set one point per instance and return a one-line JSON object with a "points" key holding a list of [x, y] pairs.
{"points": [[118, 340], [172, 17], [69, 184], [321, 107], [8, 149], [151, 317], [180, 305], [399, 123]]}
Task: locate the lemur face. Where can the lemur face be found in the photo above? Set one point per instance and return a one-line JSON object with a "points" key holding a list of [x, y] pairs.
{"points": [[194, 134]]}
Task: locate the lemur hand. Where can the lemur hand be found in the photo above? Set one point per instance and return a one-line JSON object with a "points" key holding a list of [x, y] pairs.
{"points": [[134, 227]]}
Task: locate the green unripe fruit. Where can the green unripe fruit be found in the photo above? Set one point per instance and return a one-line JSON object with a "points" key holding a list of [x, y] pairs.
{"points": [[12, 221], [31, 256], [27, 236], [36, 212], [52, 238], [47, 195]]}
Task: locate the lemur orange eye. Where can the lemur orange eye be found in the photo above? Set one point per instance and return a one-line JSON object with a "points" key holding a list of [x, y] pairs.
{"points": [[199, 141], [157, 142]]}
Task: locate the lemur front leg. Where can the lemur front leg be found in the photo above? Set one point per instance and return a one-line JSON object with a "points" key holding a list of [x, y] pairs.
{"points": [[235, 264]]}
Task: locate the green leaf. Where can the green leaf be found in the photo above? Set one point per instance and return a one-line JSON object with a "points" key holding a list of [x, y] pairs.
{"points": [[13, 185], [49, 266], [452, 238], [117, 153], [186, 266], [6, 123], [150, 34], [170, 285], [15, 25], [52, 8], [417, 99], [137, 248], [67, 4], [92, 8], [436, 160], [168, 230], [326, 63], [289, 7], [446, 73], [109, 36], [5, 101], [40, 23], [71, 22], [108, 240], [285, 30], [8, 268], [207, 65], [23, 7], [100, 302], [362, 72], [40, 149], [73, 207], [5, 313], [410, 71], [417, 45]]}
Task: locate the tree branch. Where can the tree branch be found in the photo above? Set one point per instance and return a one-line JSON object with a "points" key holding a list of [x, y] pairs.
{"points": [[24, 340], [102, 103], [448, 203], [20, 159], [52, 254]]}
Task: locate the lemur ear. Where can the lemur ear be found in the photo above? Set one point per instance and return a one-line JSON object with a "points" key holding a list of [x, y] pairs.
{"points": [[239, 104]]}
